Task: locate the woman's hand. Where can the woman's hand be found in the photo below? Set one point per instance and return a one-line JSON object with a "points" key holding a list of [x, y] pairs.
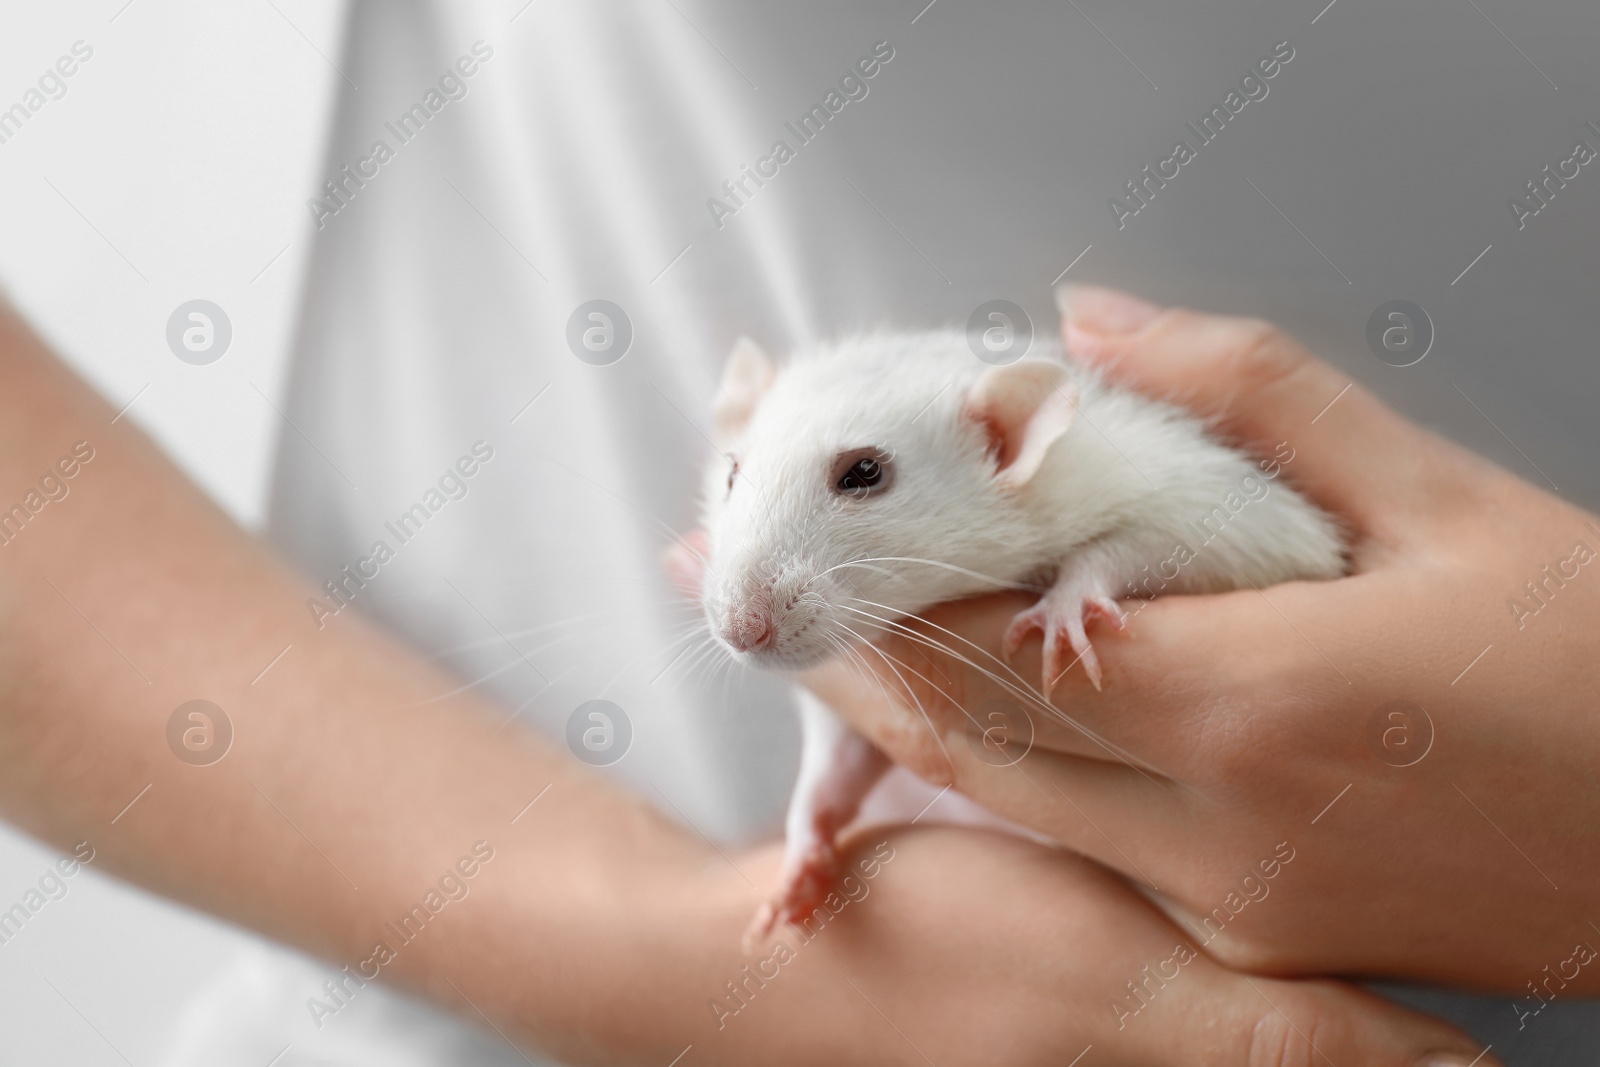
{"points": [[954, 947], [1393, 773], [402, 842]]}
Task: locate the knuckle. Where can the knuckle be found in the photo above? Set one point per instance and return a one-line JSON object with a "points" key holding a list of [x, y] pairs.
{"points": [[1242, 740], [1262, 355], [1251, 748], [1295, 1034], [1249, 354], [1239, 951]]}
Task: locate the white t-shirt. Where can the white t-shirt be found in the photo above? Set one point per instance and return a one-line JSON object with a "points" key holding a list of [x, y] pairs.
{"points": [[789, 172]]}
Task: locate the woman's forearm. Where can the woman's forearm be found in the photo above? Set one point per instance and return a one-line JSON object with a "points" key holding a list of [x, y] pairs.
{"points": [[396, 839], [345, 815], [391, 837]]}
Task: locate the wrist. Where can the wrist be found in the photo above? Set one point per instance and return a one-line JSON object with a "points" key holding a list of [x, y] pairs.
{"points": [[606, 959]]}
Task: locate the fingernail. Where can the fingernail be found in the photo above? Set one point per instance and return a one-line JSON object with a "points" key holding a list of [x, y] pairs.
{"points": [[1456, 1059], [1104, 311]]}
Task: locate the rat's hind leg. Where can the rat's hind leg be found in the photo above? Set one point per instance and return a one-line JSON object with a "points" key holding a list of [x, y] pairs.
{"points": [[838, 768], [1083, 591]]}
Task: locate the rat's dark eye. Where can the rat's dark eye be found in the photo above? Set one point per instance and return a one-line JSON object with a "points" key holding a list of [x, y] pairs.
{"points": [[733, 472], [865, 474], [862, 473]]}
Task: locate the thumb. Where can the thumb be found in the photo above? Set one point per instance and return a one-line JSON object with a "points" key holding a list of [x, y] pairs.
{"points": [[1274, 1023], [1258, 385]]}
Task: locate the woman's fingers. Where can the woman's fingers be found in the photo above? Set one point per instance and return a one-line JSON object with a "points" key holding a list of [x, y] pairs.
{"points": [[1167, 1002], [1056, 954], [1351, 453], [1178, 661], [1197, 691], [912, 691], [954, 726], [1306, 1024]]}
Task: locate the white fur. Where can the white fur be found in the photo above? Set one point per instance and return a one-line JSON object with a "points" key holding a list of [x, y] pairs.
{"points": [[1128, 478]]}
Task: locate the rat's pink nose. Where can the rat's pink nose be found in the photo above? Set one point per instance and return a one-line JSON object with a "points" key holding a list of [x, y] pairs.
{"points": [[748, 631]]}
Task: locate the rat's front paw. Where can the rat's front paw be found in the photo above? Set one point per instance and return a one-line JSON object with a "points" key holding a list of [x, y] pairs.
{"points": [[805, 882], [1061, 616]]}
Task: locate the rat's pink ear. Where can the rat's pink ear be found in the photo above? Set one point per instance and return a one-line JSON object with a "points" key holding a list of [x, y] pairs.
{"points": [[1023, 408], [745, 379]]}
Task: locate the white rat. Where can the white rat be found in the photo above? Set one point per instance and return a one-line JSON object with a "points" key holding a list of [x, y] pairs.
{"points": [[868, 480]]}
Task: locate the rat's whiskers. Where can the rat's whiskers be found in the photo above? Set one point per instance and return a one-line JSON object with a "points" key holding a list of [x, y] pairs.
{"points": [[999, 583], [890, 662], [1022, 690], [864, 562]]}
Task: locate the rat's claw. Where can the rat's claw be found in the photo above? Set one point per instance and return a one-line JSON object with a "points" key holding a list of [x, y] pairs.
{"points": [[759, 933], [1062, 616], [1106, 609], [1067, 631], [1022, 625], [1098, 607], [800, 892], [1085, 650]]}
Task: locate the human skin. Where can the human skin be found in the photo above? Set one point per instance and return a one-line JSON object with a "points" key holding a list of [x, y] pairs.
{"points": [[599, 931], [1229, 723]]}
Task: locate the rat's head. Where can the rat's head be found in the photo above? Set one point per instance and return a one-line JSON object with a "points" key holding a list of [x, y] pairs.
{"points": [[865, 482]]}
